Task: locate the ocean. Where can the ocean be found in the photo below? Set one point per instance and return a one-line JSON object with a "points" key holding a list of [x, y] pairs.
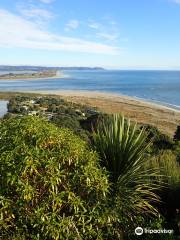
{"points": [[162, 87]]}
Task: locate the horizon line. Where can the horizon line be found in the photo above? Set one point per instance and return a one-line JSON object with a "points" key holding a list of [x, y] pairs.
{"points": [[90, 66]]}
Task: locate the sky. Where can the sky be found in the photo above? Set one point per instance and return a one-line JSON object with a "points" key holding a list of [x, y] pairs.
{"points": [[115, 34]]}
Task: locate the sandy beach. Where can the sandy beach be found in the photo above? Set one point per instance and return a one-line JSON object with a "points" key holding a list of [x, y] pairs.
{"points": [[26, 78], [141, 111], [165, 118]]}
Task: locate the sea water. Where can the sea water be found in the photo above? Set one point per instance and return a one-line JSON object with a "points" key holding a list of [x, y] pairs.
{"points": [[160, 86]]}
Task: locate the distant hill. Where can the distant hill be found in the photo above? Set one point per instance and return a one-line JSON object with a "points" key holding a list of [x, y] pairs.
{"points": [[40, 68]]}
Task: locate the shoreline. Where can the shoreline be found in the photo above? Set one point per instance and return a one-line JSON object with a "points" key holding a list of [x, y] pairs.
{"points": [[31, 78], [164, 118], [28, 79], [100, 94]]}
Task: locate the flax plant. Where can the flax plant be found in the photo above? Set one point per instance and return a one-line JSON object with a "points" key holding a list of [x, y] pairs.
{"points": [[122, 149]]}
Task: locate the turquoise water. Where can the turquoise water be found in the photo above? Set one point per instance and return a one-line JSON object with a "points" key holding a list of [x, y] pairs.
{"points": [[159, 86]]}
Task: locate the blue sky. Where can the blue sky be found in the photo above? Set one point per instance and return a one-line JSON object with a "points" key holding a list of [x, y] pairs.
{"points": [[125, 34]]}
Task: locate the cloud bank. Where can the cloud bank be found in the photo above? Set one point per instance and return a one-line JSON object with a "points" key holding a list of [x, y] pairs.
{"points": [[17, 32]]}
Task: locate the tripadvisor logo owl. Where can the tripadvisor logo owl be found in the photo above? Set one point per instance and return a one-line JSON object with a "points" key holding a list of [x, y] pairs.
{"points": [[139, 231]]}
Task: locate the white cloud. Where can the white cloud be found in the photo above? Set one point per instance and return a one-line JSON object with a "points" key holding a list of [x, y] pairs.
{"points": [[176, 1], [107, 31], [107, 36], [36, 13], [113, 23], [17, 32], [47, 1], [94, 25], [97, 25], [72, 24]]}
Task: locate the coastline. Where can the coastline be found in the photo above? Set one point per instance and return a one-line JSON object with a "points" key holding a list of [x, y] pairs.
{"points": [[163, 117], [98, 94], [31, 78]]}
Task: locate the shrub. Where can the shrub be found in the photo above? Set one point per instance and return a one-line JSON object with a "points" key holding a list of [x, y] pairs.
{"points": [[177, 143], [92, 121], [122, 150], [177, 151], [66, 122], [71, 122], [177, 134], [168, 167], [159, 140], [169, 172], [52, 186]]}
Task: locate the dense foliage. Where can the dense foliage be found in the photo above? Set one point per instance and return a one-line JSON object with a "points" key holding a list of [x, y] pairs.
{"points": [[58, 111], [169, 172], [52, 186], [159, 140], [177, 134]]}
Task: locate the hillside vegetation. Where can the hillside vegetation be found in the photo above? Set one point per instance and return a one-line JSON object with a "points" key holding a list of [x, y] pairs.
{"points": [[70, 172]]}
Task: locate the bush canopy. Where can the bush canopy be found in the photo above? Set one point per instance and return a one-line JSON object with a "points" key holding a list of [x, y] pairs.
{"points": [[51, 185]]}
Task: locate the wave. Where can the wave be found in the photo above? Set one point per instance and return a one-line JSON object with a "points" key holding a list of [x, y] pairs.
{"points": [[160, 103]]}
